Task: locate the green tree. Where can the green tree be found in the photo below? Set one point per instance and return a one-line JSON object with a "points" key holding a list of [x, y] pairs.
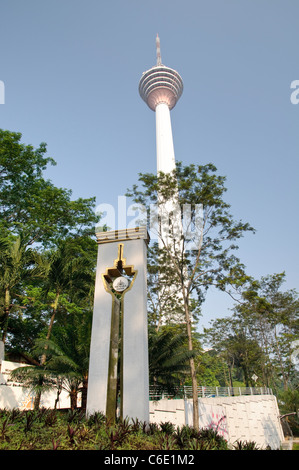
{"points": [[211, 370], [257, 338], [66, 365], [168, 357], [67, 272], [61, 304], [36, 378], [16, 266], [288, 402], [72, 336], [30, 205], [272, 319], [231, 341], [192, 260]]}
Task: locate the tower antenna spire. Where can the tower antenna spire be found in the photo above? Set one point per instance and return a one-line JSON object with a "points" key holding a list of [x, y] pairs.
{"points": [[159, 60]]}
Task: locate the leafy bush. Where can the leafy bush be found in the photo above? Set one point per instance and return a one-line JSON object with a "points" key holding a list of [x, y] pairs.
{"points": [[71, 430], [246, 445]]}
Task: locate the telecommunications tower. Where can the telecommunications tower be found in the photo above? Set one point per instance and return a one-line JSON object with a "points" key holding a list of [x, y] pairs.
{"points": [[161, 87]]}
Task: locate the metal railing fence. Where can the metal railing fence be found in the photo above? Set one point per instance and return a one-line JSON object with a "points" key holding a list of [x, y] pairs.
{"points": [[158, 393]]}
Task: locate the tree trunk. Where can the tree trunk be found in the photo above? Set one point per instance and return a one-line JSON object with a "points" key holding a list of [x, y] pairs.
{"points": [[39, 393], [2, 353], [55, 305], [43, 358], [230, 374], [192, 368], [73, 397], [6, 314], [282, 368], [57, 398], [84, 392]]}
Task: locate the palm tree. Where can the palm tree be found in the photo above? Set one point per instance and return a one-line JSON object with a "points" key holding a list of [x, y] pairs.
{"points": [[63, 369], [68, 272], [36, 378], [168, 358], [16, 265], [67, 354], [72, 340]]}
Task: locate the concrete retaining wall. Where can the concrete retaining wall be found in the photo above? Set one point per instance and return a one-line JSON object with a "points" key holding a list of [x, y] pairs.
{"points": [[247, 418]]}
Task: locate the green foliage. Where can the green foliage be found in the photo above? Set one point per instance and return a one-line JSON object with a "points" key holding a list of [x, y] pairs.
{"points": [[246, 445], [47, 255], [32, 206], [194, 260], [288, 402], [257, 338], [210, 370], [205, 256], [61, 430], [168, 357]]}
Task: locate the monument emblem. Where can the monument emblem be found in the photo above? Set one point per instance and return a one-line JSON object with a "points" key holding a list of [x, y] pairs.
{"points": [[118, 369], [120, 284]]}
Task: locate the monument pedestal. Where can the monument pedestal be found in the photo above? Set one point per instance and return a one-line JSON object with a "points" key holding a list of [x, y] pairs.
{"points": [[121, 284]]}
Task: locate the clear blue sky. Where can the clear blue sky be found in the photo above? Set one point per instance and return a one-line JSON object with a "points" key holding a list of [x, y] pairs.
{"points": [[71, 70]]}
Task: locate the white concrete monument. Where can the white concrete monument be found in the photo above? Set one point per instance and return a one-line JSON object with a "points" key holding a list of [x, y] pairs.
{"points": [[119, 342]]}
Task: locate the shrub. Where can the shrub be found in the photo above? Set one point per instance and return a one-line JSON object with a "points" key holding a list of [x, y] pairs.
{"points": [[72, 430]]}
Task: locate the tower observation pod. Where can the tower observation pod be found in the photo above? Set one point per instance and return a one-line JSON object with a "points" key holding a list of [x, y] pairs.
{"points": [[161, 87]]}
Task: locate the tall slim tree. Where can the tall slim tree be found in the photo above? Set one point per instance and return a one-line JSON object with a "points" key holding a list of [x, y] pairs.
{"points": [[204, 253], [16, 266]]}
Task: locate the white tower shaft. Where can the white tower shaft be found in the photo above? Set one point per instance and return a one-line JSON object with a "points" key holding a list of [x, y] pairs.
{"points": [[164, 140]]}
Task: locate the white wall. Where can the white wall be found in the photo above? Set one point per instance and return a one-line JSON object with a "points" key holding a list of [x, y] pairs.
{"points": [[14, 395], [246, 418]]}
